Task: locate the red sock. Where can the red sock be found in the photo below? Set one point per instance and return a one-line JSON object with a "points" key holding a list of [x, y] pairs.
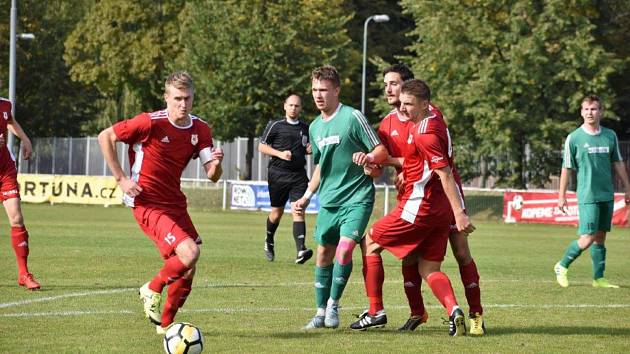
{"points": [[443, 291], [412, 282], [470, 279], [374, 277], [177, 294], [19, 240], [173, 269]]}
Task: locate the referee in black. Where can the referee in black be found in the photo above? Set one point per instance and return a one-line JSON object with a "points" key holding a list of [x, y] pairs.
{"points": [[286, 141]]}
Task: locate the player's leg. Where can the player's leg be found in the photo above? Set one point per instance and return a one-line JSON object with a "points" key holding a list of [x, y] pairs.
{"points": [[470, 279], [272, 225], [299, 225], [412, 284], [598, 248], [19, 238], [441, 287], [374, 276], [178, 292], [352, 223], [587, 227], [327, 237]]}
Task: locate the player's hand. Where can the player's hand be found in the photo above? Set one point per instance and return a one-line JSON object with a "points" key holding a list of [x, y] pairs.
{"points": [[129, 187], [309, 149], [562, 204], [463, 223], [300, 206], [27, 149], [361, 158], [285, 155], [217, 154]]}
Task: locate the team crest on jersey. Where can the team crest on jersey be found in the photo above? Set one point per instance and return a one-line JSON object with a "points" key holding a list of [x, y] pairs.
{"points": [[6, 115], [410, 139], [304, 140], [194, 139]]}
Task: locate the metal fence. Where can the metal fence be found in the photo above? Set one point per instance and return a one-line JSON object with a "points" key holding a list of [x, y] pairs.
{"points": [[82, 156]]}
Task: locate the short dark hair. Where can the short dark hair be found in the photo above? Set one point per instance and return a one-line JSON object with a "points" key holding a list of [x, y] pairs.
{"points": [[417, 88], [293, 94], [327, 72], [592, 98], [401, 69]]}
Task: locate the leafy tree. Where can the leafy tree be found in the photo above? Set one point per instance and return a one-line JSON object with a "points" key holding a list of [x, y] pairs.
{"points": [[124, 49], [247, 56], [48, 102], [510, 74]]}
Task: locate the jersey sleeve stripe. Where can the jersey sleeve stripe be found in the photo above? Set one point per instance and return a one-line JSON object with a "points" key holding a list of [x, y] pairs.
{"points": [[265, 136], [619, 157], [567, 153], [366, 127]]}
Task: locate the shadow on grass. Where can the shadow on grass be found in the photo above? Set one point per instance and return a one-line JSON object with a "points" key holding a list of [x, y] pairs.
{"points": [[559, 331]]}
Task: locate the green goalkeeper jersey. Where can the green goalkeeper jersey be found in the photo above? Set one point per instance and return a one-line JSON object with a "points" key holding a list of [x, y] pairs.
{"points": [[334, 140], [592, 155]]}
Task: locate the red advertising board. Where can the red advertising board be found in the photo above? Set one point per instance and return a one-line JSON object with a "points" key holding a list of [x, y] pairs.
{"points": [[541, 207]]}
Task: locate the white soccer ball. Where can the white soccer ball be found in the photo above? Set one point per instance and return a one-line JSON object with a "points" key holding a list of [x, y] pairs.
{"points": [[183, 338]]}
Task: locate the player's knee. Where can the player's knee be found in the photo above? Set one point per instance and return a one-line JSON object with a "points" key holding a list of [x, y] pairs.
{"points": [[16, 220], [462, 256], [343, 254], [188, 252]]}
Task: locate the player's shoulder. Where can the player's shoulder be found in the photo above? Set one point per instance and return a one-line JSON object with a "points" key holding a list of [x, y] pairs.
{"points": [[607, 131], [5, 102], [197, 120], [430, 125]]}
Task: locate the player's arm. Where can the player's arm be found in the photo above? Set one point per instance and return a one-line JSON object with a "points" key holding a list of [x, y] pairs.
{"points": [[211, 160], [376, 156], [16, 129], [107, 140], [565, 176], [268, 150], [455, 199], [300, 205], [620, 170]]}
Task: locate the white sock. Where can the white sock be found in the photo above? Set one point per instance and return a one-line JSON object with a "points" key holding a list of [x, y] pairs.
{"points": [[332, 302]]}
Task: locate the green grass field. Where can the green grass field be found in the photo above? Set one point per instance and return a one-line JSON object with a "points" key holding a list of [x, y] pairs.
{"points": [[91, 260]]}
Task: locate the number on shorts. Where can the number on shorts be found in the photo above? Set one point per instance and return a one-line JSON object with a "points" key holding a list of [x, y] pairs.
{"points": [[170, 238]]}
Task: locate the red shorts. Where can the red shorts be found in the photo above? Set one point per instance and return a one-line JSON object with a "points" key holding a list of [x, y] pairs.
{"points": [[9, 187], [166, 228], [401, 237]]}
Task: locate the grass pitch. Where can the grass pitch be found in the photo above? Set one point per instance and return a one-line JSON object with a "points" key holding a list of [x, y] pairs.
{"points": [[91, 261]]}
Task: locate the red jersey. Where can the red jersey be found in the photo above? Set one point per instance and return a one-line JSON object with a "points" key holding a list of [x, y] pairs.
{"points": [[158, 153], [6, 158], [393, 132], [428, 148]]}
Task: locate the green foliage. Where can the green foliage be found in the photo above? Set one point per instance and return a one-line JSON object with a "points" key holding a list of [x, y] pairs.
{"points": [[48, 103], [247, 56], [124, 49], [510, 75]]}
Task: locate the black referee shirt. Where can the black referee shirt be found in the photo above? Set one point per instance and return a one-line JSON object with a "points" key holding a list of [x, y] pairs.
{"points": [[282, 135]]}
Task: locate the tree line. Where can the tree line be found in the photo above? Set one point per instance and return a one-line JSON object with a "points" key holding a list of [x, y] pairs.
{"points": [[508, 74]]}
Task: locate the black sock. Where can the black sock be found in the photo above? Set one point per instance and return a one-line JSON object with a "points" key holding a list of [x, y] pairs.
{"points": [[299, 232], [271, 230]]}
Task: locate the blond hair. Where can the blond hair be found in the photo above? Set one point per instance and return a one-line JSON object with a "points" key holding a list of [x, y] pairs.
{"points": [[180, 80]]}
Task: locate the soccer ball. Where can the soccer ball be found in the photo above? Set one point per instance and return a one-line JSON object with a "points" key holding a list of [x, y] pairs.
{"points": [[183, 338]]}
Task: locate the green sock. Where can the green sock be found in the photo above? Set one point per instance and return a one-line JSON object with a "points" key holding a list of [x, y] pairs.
{"points": [[598, 256], [341, 274], [572, 252], [323, 278]]}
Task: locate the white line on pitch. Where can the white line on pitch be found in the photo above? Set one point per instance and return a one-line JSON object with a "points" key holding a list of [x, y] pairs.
{"points": [[63, 296], [287, 309]]}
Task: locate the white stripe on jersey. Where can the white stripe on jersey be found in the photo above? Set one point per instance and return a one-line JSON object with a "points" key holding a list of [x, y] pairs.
{"points": [[135, 172], [264, 138], [366, 127], [158, 114], [411, 207], [619, 157], [567, 153], [450, 143]]}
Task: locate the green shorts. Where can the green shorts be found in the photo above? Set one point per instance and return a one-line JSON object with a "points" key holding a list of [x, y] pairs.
{"points": [[349, 221], [595, 217]]}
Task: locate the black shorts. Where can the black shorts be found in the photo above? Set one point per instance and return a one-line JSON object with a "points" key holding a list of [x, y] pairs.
{"points": [[285, 185]]}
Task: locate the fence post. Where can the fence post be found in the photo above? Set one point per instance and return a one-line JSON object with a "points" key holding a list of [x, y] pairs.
{"points": [[386, 206], [87, 156], [54, 154], [70, 156], [224, 204]]}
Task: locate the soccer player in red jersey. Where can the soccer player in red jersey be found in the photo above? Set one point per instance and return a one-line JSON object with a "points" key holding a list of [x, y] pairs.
{"points": [[160, 146], [10, 192], [420, 224]]}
